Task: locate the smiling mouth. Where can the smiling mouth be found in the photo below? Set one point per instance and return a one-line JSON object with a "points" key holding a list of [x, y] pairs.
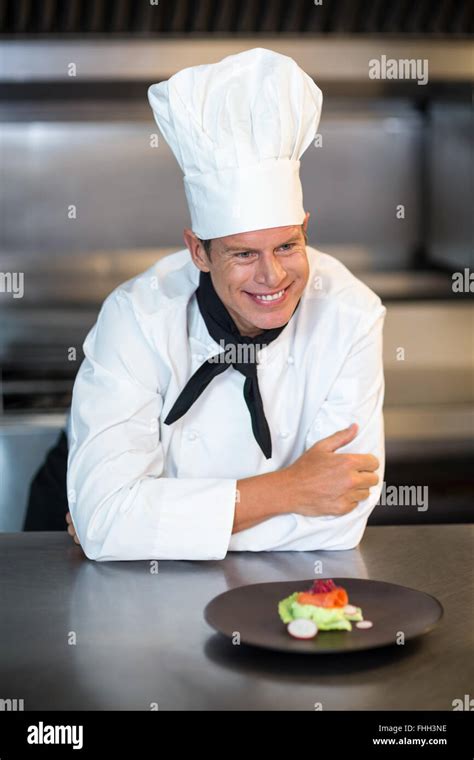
{"points": [[269, 298]]}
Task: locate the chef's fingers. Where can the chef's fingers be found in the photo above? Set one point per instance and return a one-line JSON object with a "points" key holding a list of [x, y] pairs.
{"points": [[338, 439], [359, 494], [364, 462], [73, 533], [364, 479], [68, 517]]}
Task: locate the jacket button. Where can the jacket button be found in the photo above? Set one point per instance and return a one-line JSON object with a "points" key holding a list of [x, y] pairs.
{"points": [[284, 434], [290, 360], [192, 435]]}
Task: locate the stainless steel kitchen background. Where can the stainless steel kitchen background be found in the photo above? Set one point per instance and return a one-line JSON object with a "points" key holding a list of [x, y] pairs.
{"points": [[85, 140]]}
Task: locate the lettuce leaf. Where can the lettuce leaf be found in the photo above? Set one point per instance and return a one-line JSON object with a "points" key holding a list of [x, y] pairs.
{"points": [[326, 618], [284, 608]]}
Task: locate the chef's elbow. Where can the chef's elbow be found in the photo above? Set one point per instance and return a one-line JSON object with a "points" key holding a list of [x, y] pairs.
{"points": [[346, 546], [92, 550], [91, 547], [353, 535], [348, 543]]}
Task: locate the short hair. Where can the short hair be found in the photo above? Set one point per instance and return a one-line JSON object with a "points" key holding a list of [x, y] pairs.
{"points": [[207, 246], [208, 243]]}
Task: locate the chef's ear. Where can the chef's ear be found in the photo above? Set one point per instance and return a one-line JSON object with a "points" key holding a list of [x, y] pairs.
{"points": [[197, 250], [306, 220]]}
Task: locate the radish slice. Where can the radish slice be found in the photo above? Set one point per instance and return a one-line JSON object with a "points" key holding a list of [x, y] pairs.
{"points": [[364, 624], [349, 609], [302, 629]]}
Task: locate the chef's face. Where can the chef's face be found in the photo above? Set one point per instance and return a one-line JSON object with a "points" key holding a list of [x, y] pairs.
{"points": [[259, 276]]}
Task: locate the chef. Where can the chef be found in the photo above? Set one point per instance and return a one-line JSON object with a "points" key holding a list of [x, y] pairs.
{"points": [[231, 396]]}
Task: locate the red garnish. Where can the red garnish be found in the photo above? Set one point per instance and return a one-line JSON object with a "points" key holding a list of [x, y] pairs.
{"points": [[322, 587]]}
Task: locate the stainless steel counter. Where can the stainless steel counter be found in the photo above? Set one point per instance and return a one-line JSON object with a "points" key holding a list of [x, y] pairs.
{"points": [[140, 637]]}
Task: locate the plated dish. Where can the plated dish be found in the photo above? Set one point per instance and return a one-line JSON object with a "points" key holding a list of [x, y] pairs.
{"points": [[397, 614], [325, 606]]}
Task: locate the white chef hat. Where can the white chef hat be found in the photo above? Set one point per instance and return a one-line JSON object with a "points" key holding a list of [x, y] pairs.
{"points": [[238, 129]]}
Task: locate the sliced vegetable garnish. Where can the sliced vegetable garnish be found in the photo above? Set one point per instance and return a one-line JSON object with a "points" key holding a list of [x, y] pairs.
{"points": [[302, 629], [364, 624], [349, 609]]}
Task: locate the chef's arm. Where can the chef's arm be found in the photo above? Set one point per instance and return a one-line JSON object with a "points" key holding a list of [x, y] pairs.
{"points": [[356, 396], [122, 504], [321, 482], [261, 497]]}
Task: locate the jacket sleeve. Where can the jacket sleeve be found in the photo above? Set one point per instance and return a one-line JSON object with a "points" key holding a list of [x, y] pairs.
{"points": [[356, 395], [122, 505]]}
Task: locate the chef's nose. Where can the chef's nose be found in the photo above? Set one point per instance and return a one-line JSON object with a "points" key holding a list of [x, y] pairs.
{"points": [[269, 271]]}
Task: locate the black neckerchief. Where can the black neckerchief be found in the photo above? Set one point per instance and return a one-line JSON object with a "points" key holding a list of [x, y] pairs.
{"points": [[222, 327]]}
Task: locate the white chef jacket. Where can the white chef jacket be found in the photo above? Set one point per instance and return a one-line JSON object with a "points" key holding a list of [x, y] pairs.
{"points": [[140, 489]]}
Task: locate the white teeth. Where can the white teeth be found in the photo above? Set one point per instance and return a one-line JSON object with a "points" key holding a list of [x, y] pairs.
{"points": [[271, 298]]}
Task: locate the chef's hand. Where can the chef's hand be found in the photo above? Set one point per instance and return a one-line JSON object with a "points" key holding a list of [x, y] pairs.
{"points": [[328, 483], [71, 529], [320, 482]]}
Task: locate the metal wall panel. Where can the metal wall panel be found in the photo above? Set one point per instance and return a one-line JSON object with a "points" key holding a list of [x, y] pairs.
{"points": [[130, 195]]}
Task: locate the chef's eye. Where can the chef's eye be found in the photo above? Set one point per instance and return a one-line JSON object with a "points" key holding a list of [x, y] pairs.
{"points": [[287, 246], [245, 254]]}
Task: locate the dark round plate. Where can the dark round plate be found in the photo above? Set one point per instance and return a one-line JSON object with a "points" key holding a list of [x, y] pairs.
{"points": [[252, 612]]}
